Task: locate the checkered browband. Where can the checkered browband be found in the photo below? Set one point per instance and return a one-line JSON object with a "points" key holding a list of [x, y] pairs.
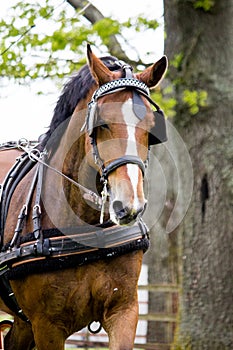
{"points": [[120, 84]]}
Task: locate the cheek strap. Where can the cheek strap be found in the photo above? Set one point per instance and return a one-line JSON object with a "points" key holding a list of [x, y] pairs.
{"points": [[139, 107]]}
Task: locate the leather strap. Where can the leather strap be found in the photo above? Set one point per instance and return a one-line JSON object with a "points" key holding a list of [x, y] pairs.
{"points": [[139, 107], [8, 297], [128, 159], [82, 242], [22, 166], [36, 211]]}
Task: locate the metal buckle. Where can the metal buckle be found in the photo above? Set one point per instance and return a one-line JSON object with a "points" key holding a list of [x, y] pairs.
{"points": [[104, 196]]}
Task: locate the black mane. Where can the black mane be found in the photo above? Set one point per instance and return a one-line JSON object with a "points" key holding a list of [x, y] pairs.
{"points": [[74, 91]]}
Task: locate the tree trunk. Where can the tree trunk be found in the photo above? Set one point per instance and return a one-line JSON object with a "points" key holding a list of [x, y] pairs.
{"points": [[200, 44]]}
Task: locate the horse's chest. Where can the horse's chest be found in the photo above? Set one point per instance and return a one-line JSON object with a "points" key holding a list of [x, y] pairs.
{"points": [[115, 281]]}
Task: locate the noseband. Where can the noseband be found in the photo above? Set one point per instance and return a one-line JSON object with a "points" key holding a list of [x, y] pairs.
{"points": [[122, 161]]}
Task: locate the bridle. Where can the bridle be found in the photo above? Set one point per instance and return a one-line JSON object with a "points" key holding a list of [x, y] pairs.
{"points": [[138, 88]]}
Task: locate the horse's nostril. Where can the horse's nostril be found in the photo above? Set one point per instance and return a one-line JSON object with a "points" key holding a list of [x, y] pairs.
{"points": [[119, 209], [124, 214]]}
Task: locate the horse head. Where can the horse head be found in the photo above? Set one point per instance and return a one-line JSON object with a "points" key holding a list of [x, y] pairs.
{"points": [[118, 126]]}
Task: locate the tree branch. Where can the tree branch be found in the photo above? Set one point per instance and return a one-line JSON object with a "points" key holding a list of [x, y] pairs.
{"points": [[93, 15]]}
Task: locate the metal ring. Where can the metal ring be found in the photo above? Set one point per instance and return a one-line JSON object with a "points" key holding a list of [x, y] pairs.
{"points": [[92, 330], [34, 152], [23, 142]]}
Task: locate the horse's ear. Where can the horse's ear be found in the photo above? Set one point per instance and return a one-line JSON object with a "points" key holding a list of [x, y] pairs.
{"points": [[154, 74], [98, 69]]}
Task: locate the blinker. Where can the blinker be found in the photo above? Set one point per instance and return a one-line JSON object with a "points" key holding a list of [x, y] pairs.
{"points": [[158, 133], [139, 107]]}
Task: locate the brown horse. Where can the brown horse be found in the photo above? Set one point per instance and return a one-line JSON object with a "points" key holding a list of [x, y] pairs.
{"points": [[100, 155]]}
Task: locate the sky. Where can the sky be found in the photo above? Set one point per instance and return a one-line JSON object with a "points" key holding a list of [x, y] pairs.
{"points": [[25, 114]]}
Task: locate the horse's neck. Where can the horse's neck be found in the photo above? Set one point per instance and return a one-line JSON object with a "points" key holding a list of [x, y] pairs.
{"points": [[63, 201]]}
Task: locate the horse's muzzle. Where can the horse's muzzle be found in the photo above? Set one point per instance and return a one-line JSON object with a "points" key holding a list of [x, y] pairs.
{"points": [[125, 215]]}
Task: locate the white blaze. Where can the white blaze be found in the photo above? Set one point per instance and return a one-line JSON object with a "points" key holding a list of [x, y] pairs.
{"points": [[131, 149]]}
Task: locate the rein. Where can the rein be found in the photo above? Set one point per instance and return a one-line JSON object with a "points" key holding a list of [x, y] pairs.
{"points": [[89, 195], [37, 156], [6, 146]]}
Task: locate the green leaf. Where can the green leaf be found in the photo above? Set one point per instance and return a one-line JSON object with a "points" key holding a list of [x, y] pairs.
{"points": [[206, 5], [195, 99], [68, 33], [106, 27], [177, 60], [165, 100]]}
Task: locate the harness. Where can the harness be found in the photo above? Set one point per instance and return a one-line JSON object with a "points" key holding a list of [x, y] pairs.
{"points": [[79, 245]]}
